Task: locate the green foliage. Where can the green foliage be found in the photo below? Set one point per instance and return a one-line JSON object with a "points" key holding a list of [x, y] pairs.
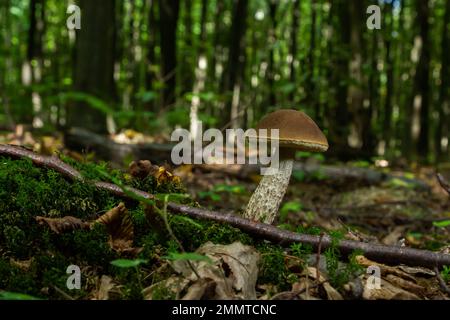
{"points": [[288, 207], [445, 273], [340, 275], [6, 295], [273, 269], [127, 263], [176, 256], [216, 193], [441, 224]]}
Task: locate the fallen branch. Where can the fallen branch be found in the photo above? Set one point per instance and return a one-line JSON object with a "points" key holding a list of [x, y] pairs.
{"points": [[443, 183], [374, 251]]}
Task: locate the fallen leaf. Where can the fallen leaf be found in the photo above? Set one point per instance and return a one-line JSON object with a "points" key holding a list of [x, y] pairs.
{"points": [[120, 229], [107, 289], [142, 168], [387, 291], [229, 272], [65, 224]]}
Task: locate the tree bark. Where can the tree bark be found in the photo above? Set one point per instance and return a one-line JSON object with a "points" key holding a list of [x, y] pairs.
{"points": [[339, 128], [168, 15], [442, 128], [387, 120], [94, 63], [421, 81], [272, 40], [233, 73], [293, 48]]}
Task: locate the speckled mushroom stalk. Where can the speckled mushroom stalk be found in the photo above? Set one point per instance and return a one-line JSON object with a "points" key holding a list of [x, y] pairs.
{"points": [[297, 131], [265, 201]]}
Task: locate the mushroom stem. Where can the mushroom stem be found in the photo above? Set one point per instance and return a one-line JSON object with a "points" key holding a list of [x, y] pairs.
{"points": [[265, 201]]}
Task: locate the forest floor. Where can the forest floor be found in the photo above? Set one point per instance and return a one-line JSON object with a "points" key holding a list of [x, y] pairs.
{"points": [[409, 209]]}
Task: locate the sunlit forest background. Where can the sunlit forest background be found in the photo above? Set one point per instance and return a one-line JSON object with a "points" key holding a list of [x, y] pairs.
{"points": [[152, 66]]}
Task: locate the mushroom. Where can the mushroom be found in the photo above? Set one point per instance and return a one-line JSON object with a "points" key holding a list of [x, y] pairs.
{"points": [[297, 131]]}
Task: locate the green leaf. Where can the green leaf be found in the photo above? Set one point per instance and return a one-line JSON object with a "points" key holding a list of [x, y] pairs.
{"points": [[188, 220], [6, 295], [441, 224], [298, 175], [126, 263], [187, 256], [289, 207]]}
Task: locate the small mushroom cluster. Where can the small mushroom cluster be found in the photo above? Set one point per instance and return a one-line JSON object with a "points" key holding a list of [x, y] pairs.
{"points": [[297, 132]]}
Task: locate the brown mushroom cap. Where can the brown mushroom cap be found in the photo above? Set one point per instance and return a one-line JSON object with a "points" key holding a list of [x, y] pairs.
{"points": [[296, 130]]}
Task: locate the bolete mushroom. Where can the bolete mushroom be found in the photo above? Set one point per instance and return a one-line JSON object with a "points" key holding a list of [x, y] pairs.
{"points": [[297, 131]]}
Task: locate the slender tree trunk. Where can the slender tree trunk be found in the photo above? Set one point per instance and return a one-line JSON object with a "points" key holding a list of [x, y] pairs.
{"points": [[311, 91], [32, 72], [442, 128], [151, 57], [94, 64], [187, 71], [421, 81], [272, 40], [233, 74], [293, 49], [200, 74], [168, 14], [387, 120], [339, 128]]}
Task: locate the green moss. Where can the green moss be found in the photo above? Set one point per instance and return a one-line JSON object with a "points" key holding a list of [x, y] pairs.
{"points": [[27, 191], [273, 269]]}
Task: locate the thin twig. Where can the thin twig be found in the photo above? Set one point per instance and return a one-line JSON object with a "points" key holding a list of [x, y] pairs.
{"points": [[62, 293], [441, 281], [444, 184], [319, 249], [373, 251]]}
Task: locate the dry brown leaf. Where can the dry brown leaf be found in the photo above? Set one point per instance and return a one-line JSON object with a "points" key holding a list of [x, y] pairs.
{"points": [[332, 293], [384, 269], [387, 291], [21, 264], [394, 236], [231, 273], [120, 229], [174, 285], [202, 289], [107, 289], [142, 168], [162, 175], [65, 224], [405, 284]]}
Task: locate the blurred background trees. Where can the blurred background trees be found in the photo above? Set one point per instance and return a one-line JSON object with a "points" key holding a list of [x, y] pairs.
{"points": [[153, 65]]}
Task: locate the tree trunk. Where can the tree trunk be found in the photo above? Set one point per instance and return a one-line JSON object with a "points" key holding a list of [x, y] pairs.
{"points": [[293, 49], [151, 57], [387, 120], [339, 128], [188, 53], [200, 75], [168, 15], [272, 40], [442, 128], [233, 74], [94, 64], [312, 99], [421, 81]]}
